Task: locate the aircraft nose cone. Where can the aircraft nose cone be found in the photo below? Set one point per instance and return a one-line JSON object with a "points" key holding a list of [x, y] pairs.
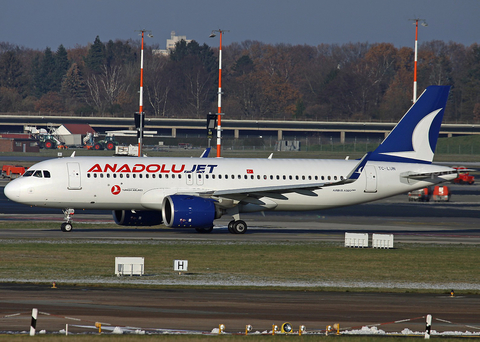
{"points": [[12, 191]]}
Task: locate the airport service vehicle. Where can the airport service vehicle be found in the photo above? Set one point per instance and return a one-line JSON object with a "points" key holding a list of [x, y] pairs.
{"points": [[419, 195], [12, 171], [464, 177], [441, 193], [193, 192]]}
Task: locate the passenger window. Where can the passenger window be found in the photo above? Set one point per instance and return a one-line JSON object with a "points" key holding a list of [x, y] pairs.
{"points": [[46, 174]]}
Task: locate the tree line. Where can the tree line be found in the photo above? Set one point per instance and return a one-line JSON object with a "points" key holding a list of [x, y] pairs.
{"points": [[356, 81]]}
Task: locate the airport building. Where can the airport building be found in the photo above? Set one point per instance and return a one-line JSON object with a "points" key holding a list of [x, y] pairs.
{"points": [[171, 44]]}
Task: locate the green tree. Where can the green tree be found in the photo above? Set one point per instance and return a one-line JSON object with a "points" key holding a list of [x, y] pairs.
{"points": [[11, 73], [62, 64], [73, 86], [96, 57]]}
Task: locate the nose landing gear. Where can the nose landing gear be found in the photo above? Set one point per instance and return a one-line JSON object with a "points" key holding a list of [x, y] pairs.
{"points": [[67, 225]]}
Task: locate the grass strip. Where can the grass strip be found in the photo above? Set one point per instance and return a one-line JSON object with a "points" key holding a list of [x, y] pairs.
{"points": [[237, 262]]}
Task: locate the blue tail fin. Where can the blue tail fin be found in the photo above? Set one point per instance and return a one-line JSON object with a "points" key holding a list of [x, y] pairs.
{"points": [[414, 138]]}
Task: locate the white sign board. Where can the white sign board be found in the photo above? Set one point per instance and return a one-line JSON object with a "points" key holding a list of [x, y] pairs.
{"points": [[358, 240], [180, 265], [129, 266], [382, 241]]}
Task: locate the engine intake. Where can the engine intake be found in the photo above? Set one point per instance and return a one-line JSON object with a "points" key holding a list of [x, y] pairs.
{"points": [[137, 218], [183, 211]]}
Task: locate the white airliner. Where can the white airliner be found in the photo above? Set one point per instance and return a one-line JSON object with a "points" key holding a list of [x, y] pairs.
{"points": [[193, 192]]}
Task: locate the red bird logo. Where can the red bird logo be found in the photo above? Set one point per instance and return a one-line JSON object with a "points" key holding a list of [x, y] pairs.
{"points": [[115, 189]]}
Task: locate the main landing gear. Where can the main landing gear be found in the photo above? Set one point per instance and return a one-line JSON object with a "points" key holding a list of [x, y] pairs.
{"points": [[237, 227], [67, 225], [204, 230]]}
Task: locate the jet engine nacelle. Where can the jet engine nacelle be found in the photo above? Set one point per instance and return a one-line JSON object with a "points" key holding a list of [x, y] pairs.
{"points": [[137, 218], [183, 211]]}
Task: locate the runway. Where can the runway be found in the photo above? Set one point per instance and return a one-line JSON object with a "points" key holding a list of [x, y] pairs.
{"points": [[203, 310], [197, 309], [457, 221]]}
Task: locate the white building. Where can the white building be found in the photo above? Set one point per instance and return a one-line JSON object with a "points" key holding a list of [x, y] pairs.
{"points": [[171, 44]]}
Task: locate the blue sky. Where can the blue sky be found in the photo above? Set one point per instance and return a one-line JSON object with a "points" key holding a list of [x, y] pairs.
{"points": [[40, 23]]}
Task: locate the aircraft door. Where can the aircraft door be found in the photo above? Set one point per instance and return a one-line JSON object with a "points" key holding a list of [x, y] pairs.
{"points": [[189, 178], [199, 177], [74, 182], [371, 178]]}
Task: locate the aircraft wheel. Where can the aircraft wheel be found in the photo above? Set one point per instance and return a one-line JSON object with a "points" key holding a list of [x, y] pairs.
{"points": [[66, 227], [240, 227], [230, 227], [204, 230]]}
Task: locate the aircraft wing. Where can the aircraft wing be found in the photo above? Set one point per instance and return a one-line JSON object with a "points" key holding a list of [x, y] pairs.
{"points": [[280, 189]]}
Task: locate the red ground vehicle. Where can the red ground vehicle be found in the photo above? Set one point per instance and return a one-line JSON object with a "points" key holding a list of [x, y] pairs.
{"points": [[12, 171], [420, 195], [464, 177], [441, 194]]}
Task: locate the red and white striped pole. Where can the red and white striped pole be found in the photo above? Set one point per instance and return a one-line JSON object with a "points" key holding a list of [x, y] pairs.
{"points": [[219, 113], [424, 23], [140, 111], [415, 64]]}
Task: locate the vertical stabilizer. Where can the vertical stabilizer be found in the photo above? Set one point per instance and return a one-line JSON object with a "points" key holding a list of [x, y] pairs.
{"points": [[415, 137]]}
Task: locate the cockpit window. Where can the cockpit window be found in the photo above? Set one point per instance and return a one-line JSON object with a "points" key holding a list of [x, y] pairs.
{"points": [[38, 174], [28, 173], [46, 174]]}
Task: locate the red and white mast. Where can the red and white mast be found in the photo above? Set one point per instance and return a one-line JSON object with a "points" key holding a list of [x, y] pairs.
{"points": [[140, 110], [424, 23], [219, 113]]}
